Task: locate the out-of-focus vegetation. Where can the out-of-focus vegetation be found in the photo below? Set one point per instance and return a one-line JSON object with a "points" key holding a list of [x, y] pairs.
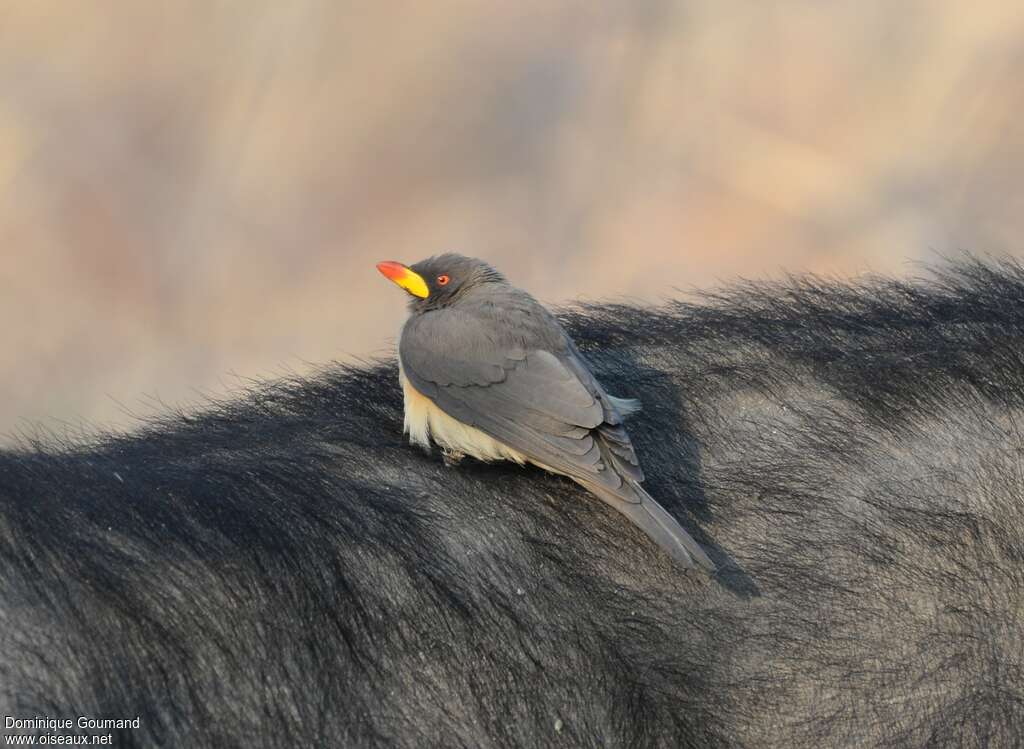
{"points": [[192, 189]]}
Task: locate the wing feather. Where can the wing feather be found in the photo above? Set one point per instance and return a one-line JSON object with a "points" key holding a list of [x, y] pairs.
{"points": [[533, 400]]}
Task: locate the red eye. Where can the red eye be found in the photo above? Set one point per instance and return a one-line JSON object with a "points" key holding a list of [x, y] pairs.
{"points": [[443, 280]]}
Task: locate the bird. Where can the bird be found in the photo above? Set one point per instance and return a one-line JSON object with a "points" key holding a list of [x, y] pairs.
{"points": [[487, 371]]}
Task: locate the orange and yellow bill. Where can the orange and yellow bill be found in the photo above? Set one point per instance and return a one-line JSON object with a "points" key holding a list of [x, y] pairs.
{"points": [[405, 277]]}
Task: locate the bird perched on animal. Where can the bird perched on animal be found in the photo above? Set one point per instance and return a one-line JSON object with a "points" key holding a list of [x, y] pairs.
{"points": [[487, 371]]}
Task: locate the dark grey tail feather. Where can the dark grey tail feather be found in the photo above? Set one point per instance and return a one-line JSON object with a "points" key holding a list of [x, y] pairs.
{"points": [[655, 521]]}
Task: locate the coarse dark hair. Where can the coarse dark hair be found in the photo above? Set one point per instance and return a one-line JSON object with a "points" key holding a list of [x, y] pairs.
{"points": [[282, 570]]}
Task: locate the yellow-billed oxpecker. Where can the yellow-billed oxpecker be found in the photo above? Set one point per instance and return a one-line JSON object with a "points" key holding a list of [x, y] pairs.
{"points": [[488, 372]]}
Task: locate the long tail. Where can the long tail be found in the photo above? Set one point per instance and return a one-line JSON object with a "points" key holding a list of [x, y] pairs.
{"points": [[644, 512]]}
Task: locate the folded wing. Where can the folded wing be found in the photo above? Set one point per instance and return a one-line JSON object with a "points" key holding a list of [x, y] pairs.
{"points": [[542, 403]]}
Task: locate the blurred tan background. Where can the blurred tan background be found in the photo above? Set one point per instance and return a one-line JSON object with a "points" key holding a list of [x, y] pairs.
{"points": [[192, 192]]}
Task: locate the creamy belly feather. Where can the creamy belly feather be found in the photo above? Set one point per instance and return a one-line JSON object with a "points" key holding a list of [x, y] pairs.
{"points": [[424, 420]]}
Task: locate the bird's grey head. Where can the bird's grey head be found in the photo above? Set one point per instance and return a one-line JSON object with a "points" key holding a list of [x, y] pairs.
{"points": [[441, 280]]}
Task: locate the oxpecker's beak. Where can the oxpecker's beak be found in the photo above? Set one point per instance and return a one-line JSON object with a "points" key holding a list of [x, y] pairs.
{"points": [[405, 277]]}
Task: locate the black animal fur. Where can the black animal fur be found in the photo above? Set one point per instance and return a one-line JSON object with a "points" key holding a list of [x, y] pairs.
{"points": [[283, 570]]}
